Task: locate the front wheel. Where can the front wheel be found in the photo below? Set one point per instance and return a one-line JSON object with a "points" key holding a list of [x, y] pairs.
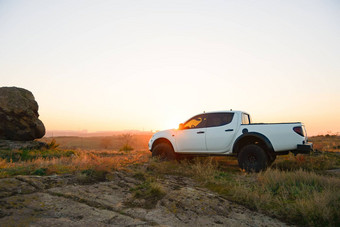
{"points": [[164, 151], [252, 158]]}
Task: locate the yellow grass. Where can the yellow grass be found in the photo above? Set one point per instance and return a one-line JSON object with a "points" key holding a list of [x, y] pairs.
{"points": [[115, 142], [82, 160]]}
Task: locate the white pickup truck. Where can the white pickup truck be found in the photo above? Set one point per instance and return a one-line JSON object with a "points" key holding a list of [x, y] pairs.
{"points": [[231, 133]]}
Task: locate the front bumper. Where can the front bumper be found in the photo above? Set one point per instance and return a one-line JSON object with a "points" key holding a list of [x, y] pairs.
{"points": [[303, 148], [150, 144]]}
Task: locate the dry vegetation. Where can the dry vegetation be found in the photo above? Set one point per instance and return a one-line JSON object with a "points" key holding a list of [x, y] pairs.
{"points": [[330, 143], [115, 142], [59, 161], [299, 190]]}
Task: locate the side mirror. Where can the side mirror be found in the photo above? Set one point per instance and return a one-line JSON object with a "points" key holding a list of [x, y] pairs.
{"points": [[181, 126]]}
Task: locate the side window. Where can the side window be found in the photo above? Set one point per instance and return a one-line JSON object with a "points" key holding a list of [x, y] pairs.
{"points": [[245, 119], [198, 121], [219, 119]]}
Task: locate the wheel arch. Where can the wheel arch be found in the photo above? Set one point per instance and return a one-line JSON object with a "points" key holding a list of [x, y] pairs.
{"points": [[254, 138], [161, 140]]}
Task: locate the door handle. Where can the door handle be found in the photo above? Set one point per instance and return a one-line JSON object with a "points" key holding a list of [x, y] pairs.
{"points": [[229, 130], [200, 132]]}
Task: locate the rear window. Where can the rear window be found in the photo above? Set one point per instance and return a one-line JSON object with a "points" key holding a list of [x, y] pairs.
{"points": [[245, 119], [219, 119]]}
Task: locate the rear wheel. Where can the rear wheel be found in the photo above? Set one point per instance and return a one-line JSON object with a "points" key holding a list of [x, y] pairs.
{"points": [[164, 151], [252, 158]]}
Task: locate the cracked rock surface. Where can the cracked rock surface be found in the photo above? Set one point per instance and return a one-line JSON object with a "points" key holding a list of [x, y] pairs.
{"points": [[65, 201]]}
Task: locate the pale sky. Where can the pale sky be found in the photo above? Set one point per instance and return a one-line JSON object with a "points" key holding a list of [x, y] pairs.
{"points": [[150, 65]]}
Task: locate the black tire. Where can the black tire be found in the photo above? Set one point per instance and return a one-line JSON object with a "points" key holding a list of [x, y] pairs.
{"points": [[271, 160], [164, 151], [252, 158]]}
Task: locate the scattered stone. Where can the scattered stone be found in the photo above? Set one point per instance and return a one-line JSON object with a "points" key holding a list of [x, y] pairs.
{"points": [[19, 115]]}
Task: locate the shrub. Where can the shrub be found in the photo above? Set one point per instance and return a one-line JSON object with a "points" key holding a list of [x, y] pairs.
{"points": [[126, 147], [53, 144], [40, 172], [88, 176], [147, 194]]}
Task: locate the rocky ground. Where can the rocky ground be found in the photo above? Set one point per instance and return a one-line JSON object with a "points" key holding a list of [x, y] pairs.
{"points": [[71, 201]]}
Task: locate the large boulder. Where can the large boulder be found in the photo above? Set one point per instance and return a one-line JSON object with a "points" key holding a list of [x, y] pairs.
{"points": [[19, 115]]}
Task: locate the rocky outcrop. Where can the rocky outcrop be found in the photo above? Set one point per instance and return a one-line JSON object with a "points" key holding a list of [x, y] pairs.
{"points": [[19, 145], [66, 201], [19, 115]]}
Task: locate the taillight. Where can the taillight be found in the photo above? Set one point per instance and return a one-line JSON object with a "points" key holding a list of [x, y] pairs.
{"points": [[298, 130]]}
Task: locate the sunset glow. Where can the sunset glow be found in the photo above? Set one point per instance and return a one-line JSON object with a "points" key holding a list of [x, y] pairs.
{"points": [[150, 65]]}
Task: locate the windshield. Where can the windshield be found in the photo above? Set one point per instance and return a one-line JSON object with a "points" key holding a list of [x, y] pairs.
{"points": [[195, 122]]}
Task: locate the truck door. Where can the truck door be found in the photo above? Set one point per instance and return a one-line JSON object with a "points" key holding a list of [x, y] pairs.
{"points": [[220, 131], [191, 138]]}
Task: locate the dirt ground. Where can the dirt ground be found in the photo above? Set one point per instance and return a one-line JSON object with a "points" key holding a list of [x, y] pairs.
{"points": [[67, 201]]}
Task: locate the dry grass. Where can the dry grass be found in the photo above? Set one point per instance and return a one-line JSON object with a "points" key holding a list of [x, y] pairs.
{"points": [[314, 162], [327, 142], [301, 197], [138, 142], [79, 161]]}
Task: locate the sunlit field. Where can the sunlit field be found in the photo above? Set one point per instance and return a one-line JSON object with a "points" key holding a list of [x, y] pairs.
{"points": [[327, 142], [139, 142], [67, 162], [301, 190]]}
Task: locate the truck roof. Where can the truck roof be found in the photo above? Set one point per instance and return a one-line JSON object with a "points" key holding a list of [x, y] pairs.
{"points": [[225, 111]]}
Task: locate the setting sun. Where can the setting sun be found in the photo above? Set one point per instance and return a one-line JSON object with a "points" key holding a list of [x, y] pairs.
{"points": [[171, 125]]}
